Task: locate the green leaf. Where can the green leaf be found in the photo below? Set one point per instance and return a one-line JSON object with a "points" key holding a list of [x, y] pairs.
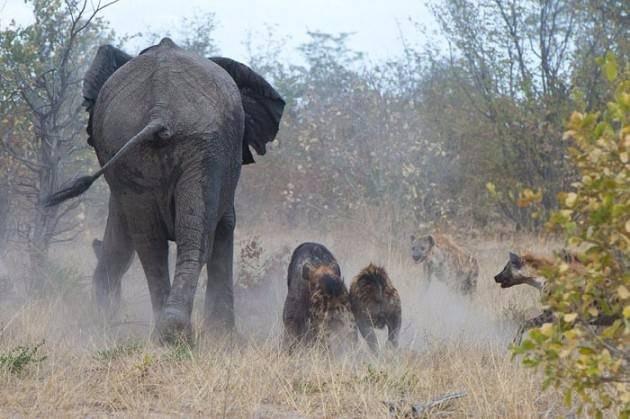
{"points": [[568, 397], [610, 66]]}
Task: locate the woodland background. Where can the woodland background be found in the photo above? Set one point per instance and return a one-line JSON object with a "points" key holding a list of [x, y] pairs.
{"points": [[447, 134]]}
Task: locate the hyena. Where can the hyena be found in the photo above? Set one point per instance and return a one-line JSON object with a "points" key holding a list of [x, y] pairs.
{"points": [[525, 269], [317, 304], [375, 304], [445, 261]]}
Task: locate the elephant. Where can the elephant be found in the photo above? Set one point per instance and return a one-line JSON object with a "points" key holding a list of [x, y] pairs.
{"points": [[171, 130]]}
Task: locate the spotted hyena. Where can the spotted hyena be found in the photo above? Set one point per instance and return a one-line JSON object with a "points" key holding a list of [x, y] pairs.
{"points": [[317, 304], [445, 261], [375, 304], [526, 269], [522, 270]]}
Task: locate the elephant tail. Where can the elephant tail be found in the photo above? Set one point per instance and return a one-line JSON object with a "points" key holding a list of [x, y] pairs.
{"points": [[83, 183]]}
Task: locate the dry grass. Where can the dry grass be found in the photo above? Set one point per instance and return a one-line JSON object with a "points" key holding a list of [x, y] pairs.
{"points": [[448, 344]]}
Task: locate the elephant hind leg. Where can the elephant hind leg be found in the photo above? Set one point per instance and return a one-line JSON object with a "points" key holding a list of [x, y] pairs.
{"points": [[195, 217], [114, 256], [153, 253], [219, 305]]}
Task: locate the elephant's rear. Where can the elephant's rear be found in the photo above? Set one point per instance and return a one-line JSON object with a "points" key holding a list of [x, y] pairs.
{"points": [[196, 101], [169, 130]]}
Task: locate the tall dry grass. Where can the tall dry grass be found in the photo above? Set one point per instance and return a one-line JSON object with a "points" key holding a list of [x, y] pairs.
{"points": [[448, 343]]}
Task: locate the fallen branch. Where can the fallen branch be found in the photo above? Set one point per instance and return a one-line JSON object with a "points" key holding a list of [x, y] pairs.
{"points": [[403, 409]]}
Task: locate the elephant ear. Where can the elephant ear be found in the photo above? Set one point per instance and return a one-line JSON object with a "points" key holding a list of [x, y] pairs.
{"points": [[108, 59], [263, 106]]}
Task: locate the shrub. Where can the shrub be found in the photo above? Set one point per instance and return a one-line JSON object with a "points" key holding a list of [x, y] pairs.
{"points": [[584, 351]]}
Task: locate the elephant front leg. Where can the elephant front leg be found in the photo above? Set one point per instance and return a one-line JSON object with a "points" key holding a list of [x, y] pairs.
{"points": [[219, 304], [114, 255]]}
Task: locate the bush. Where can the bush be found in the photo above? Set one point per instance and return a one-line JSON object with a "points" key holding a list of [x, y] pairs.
{"points": [[585, 350]]}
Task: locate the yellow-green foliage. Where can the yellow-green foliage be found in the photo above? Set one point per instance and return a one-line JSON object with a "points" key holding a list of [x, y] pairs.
{"points": [[588, 360]]}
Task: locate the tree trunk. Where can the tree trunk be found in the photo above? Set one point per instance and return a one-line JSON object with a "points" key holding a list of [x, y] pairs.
{"points": [[4, 213], [45, 218]]}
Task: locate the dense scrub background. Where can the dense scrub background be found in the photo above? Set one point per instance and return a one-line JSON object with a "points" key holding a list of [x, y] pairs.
{"points": [[448, 132]]}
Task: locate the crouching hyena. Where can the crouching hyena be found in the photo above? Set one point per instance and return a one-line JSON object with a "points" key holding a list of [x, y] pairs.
{"points": [[445, 261], [317, 304], [375, 304], [525, 269]]}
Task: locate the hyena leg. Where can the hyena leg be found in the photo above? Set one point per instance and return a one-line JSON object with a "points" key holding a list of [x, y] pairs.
{"points": [[545, 317], [427, 273], [469, 283], [294, 321], [367, 331], [393, 327]]}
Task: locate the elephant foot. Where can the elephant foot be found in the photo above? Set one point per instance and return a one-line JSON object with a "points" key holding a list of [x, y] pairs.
{"points": [[220, 322], [174, 328]]}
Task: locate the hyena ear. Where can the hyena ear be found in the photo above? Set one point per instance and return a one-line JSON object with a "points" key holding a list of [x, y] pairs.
{"points": [[413, 238], [431, 239], [515, 260]]}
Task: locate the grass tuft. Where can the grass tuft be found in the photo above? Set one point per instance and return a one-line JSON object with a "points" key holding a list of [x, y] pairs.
{"points": [[121, 350], [17, 359]]}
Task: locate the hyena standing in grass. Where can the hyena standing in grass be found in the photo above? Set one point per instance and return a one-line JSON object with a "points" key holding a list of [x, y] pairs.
{"points": [[445, 261], [375, 304], [317, 304]]}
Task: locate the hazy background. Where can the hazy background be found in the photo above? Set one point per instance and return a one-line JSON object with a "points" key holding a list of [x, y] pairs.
{"points": [[401, 116]]}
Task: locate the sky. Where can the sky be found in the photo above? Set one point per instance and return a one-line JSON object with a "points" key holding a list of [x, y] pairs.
{"points": [[377, 24]]}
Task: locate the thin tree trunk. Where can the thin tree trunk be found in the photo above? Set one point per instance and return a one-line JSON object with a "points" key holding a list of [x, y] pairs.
{"points": [[45, 218], [4, 213]]}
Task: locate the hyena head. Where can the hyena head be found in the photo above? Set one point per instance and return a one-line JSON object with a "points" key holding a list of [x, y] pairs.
{"points": [[421, 247], [373, 295], [515, 272], [372, 282], [330, 303]]}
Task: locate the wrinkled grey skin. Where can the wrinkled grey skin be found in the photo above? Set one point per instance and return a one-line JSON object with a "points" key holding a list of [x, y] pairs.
{"points": [[181, 188], [178, 184]]}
